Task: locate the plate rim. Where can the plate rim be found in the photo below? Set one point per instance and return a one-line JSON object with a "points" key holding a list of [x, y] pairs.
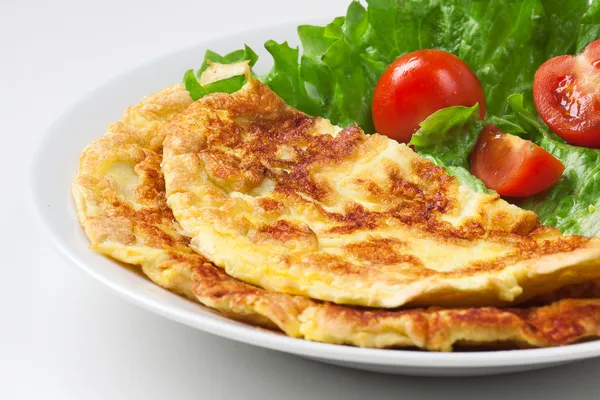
{"points": [[260, 337]]}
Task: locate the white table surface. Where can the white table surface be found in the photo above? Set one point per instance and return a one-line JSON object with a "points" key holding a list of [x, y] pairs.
{"points": [[63, 335]]}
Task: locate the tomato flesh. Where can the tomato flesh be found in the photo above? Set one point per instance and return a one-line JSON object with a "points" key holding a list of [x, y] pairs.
{"points": [[418, 84], [566, 95], [512, 166]]}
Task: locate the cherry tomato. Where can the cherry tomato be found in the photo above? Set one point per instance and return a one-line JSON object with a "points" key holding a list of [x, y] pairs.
{"points": [[418, 84], [512, 166], [566, 95]]}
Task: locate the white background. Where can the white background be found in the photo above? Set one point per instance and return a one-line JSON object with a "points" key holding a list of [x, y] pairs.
{"points": [[63, 335]]}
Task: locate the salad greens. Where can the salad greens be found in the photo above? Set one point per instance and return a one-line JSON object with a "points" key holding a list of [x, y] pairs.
{"points": [[447, 138], [503, 41]]}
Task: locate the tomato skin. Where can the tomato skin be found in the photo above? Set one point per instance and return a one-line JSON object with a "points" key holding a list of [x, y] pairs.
{"points": [[566, 96], [418, 84], [512, 166]]}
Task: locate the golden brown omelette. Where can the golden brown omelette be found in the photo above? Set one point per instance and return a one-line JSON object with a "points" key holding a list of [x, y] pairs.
{"points": [[120, 197], [290, 203]]}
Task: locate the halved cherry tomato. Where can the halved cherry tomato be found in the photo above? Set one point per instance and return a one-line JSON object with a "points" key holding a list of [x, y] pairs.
{"points": [[512, 166], [567, 96], [418, 84]]}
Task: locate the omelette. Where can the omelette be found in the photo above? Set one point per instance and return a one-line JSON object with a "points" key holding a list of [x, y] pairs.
{"points": [[119, 194], [293, 204]]}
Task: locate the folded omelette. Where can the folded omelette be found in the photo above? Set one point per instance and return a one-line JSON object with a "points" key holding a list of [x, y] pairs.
{"points": [[293, 204], [120, 197]]}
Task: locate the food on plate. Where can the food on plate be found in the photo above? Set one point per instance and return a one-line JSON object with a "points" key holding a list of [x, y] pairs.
{"points": [[273, 200], [334, 73], [512, 166], [418, 84], [291, 203], [566, 96], [119, 193]]}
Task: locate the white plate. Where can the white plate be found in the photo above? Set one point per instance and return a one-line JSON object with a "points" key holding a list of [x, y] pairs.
{"points": [[54, 169]]}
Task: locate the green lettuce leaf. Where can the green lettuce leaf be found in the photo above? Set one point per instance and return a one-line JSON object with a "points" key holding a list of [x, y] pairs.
{"points": [[315, 42], [229, 85], [451, 133], [589, 26], [447, 138], [284, 78], [565, 18]]}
